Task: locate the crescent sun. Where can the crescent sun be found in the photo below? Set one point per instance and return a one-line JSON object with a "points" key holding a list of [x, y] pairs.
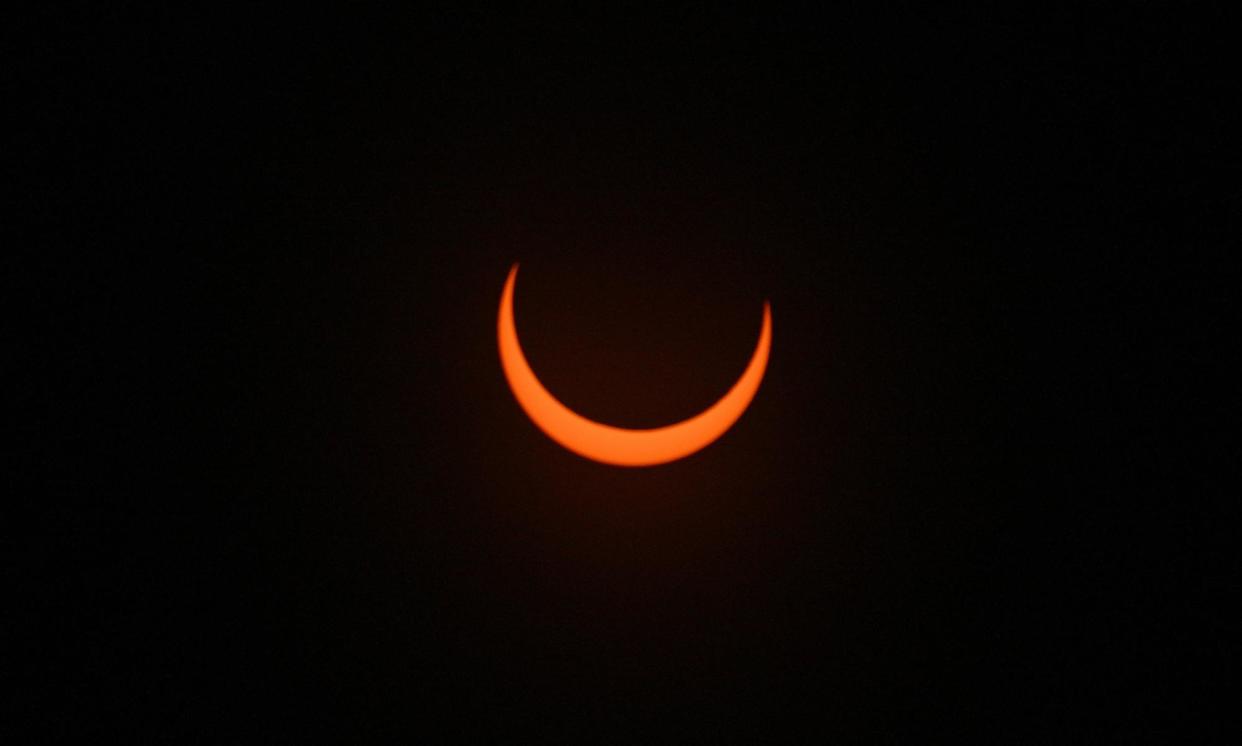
{"points": [[615, 445]]}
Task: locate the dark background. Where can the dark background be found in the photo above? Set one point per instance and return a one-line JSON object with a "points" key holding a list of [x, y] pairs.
{"points": [[280, 490]]}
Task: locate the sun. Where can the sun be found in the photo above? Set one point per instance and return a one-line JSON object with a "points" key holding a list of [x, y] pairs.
{"points": [[615, 445]]}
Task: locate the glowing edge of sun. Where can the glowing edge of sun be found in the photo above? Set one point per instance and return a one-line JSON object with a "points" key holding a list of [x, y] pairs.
{"points": [[615, 445]]}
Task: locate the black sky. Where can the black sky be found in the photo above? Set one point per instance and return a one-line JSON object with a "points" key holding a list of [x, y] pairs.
{"points": [[284, 492]]}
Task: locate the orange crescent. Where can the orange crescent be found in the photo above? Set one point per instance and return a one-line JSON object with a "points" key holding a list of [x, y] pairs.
{"points": [[615, 445]]}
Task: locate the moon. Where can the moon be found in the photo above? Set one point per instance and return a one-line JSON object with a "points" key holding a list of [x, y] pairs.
{"points": [[615, 445]]}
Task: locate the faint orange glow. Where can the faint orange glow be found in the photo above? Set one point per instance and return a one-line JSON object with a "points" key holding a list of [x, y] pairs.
{"points": [[615, 445]]}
